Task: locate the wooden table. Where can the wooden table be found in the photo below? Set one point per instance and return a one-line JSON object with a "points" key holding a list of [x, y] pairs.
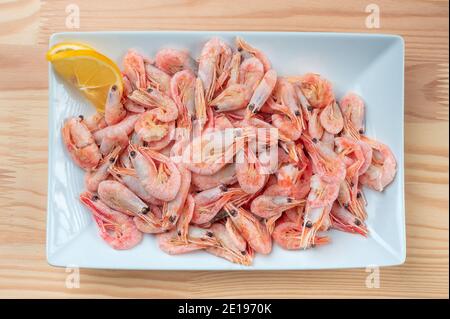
{"points": [[25, 27]]}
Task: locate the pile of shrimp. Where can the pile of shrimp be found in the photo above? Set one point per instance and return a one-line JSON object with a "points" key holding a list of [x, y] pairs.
{"points": [[222, 154]]}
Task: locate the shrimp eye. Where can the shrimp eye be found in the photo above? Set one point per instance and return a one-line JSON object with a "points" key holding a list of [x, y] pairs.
{"points": [[233, 212], [95, 198], [223, 188], [243, 253], [193, 117], [314, 140], [357, 222], [172, 218], [149, 90], [239, 49], [358, 195], [133, 154], [209, 234], [216, 108], [114, 88], [179, 233], [145, 144], [111, 160], [308, 224], [289, 200], [145, 210], [81, 117], [119, 176], [251, 106], [346, 205], [361, 131], [310, 108], [313, 245], [297, 113]]}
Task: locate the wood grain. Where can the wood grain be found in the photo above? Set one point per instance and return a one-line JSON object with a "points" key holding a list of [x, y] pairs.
{"points": [[25, 27]]}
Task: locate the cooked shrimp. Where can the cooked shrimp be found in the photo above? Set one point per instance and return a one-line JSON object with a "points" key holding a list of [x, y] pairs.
{"points": [[287, 234], [80, 144], [249, 171], [95, 122], [185, 218], [163, 106], [172, 61], [352, 107], [149, 128], [287, 127], [250, 51], [231, 247], [197, 238], [383, 168], [331, 118], [209, 202], [317, 90], [115, 228], [126, 126], [119, 197], [262, 91], [267, 206], [325, 162], [343, 220], [232, 98], [234, 69], [157, 79], [215, 58], [128, 177], [251, 73], [182, 88], [225, 176], [114, 109], [254, 232], [93, 178], [134, 69], [162, 181]]}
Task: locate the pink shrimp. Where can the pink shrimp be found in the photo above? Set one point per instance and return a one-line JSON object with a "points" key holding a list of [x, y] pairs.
{"points": [[157, 79], [249, 171], [185, 217], [115, 228], [251, 73], [119, 197], [286, 126], [250, 51], [287, 234], [126, 126], [234, 69], [114, 110], [80, 143], [262, 91], [182, 88], [253, 231], [163, 106], [231, 247], [383, 168], [352, 107], [325, 162], [134, 69], [95, 122], [172, 61], [127, 177], [162, 181], [93, 178], [343, 220], [149, 128], [232, 98], [317, 90], [266, 206], [225, 176], [331, 118], [209, 202], [215, 58], [197, 239]]}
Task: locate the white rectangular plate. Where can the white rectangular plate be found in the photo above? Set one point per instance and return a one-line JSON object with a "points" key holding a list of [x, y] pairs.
{"points": [[370, 65]]}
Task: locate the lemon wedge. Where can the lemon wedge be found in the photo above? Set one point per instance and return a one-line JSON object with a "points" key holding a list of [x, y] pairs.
{"points": [[92, 73]]}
